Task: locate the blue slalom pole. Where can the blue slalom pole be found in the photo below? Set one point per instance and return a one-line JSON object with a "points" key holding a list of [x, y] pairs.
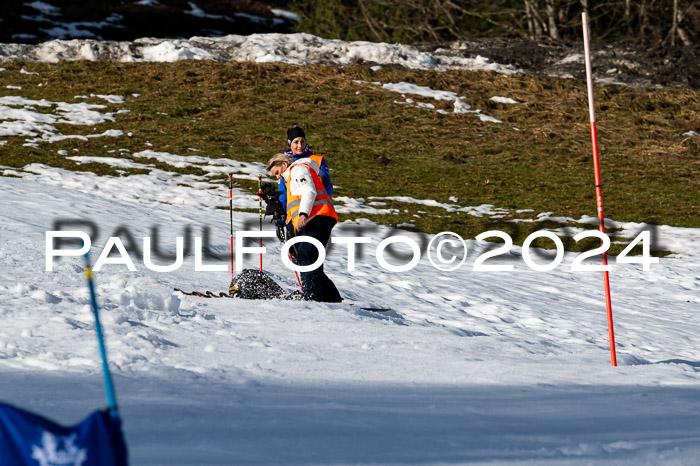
{"points": [[109, 385]]}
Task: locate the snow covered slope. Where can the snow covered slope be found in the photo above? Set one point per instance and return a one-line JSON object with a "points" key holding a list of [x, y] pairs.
{"points": [[468, 366], [499, 367]]}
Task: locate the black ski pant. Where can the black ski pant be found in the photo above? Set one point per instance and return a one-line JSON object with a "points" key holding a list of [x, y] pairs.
{"points": [[316, 285]]}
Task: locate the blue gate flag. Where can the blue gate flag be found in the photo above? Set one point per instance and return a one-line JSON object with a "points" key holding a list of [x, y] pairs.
{"points": [[28, 439]]}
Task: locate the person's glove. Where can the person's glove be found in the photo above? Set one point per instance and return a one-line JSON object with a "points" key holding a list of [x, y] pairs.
{"points": [[274, 206], [269, 191]]}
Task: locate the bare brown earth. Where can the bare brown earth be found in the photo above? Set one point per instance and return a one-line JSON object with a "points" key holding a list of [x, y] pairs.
{"points": [[630, 64]]}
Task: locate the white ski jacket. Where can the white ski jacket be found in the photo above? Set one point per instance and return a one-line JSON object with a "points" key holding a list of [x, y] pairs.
{"points": [[300, 183]]}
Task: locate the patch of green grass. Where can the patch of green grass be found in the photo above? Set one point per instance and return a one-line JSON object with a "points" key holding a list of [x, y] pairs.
{"points": [[378, 148]]}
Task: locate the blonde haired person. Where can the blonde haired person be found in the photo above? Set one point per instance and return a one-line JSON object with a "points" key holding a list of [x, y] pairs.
{"points": [[309, 212]]}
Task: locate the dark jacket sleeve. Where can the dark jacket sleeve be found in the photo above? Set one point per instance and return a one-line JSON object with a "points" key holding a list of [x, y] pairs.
{"points": [[326, 177]]}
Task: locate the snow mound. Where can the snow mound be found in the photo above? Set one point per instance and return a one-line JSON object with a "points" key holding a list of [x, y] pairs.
{"points": [[298, 49]]}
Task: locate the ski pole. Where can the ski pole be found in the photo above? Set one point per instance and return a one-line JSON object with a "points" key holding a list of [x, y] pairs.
{"points": [[301, 288], [109, 385], [230, 200], [261, 214]]}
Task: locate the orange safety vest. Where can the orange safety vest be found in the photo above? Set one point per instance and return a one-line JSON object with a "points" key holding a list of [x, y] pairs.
{"points": [[316, 158], [322, 203]]}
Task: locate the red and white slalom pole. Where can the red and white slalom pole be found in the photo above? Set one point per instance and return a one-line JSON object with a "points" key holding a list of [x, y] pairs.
{"points": [[230, 200], [261, 214], [598, 185]]}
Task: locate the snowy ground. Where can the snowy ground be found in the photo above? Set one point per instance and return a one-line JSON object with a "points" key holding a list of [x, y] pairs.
{"points": [[504, 367], [468, 367]]}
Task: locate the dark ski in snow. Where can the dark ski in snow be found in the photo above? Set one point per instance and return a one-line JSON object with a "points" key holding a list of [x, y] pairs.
{"points": [[221, 294], [370, 309], [204, 294]]}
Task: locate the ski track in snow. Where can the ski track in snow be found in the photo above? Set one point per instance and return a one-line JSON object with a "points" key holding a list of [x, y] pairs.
{"points": [[468, 367]]}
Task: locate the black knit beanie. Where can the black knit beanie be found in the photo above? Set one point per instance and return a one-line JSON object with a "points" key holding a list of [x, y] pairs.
{"points": [[294, 133]]}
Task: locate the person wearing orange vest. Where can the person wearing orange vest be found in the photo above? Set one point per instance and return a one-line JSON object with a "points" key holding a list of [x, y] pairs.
{"points": [[309, 212], [297, 148]]}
